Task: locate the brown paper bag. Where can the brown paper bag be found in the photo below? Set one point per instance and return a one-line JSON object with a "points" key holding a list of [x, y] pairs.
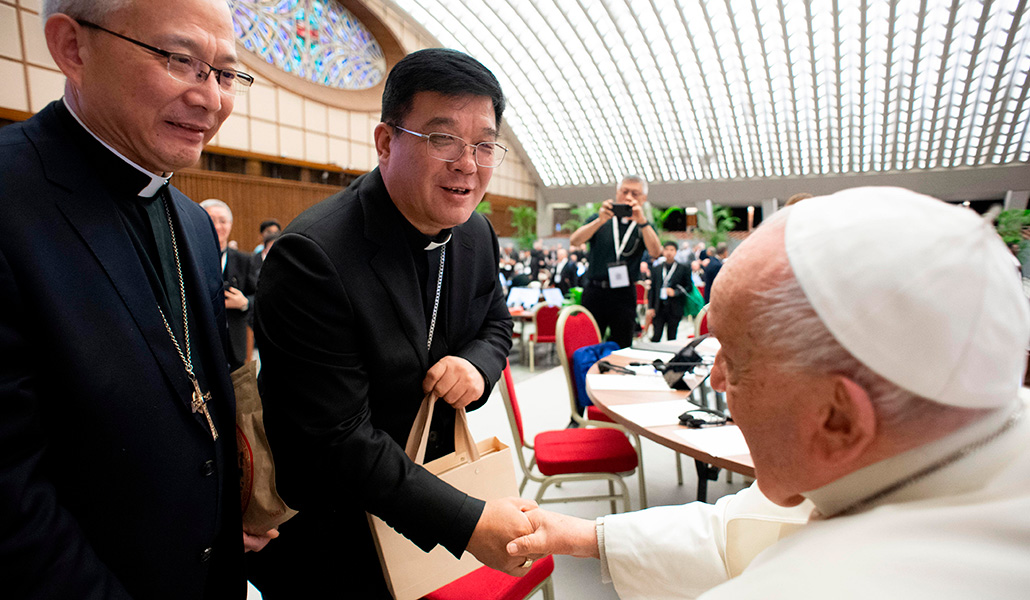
{"points": [[484, 470], [260, 503]]}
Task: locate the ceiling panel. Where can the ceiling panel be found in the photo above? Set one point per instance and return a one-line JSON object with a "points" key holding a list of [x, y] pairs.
{"points": [[685, 90]]}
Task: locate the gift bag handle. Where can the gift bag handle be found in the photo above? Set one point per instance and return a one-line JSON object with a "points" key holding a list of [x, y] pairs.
{"points": [[418, 437]]}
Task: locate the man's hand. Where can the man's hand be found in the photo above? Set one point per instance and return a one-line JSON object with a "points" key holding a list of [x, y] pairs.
{"points": [[669, 292], [555, 533], [502, 521], [234, 298], [638, 212], [254, 543], [649, 314], [605, 213], [455, 380]]}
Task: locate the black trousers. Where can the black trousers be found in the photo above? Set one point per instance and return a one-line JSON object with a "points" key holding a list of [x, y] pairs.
{"points": [[614, 310], [667, 316]]}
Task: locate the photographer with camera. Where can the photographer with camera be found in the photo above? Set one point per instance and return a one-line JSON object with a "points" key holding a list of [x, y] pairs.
{"points": [[618, 235]]}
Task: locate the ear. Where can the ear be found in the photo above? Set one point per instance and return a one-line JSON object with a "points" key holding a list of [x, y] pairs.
{"points": [[848, 423], [383, 134], [65, 40]]}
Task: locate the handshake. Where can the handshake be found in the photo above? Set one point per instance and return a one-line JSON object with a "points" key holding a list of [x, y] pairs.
{"points": [[513, 532]]}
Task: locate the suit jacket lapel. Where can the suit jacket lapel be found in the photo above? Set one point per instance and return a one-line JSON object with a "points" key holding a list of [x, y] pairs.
{"points": [[89, 209], [392, 264], [461, 258]]}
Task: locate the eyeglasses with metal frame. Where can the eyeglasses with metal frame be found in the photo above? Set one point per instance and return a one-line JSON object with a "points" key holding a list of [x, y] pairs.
{"points": [[450, 148], [189, 69]]}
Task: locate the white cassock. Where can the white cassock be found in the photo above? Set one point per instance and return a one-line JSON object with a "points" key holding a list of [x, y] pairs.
{"points": [[961, 532]]}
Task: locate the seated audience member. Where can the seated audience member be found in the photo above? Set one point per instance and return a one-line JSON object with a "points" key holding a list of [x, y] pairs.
{"points": [[521, 277], [874, 369]]}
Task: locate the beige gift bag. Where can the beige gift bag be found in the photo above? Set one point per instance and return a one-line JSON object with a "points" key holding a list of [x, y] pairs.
{"points": [[484, 470], [260, 503]]}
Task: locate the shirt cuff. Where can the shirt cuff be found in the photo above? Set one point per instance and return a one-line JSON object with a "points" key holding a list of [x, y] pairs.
{"points": [[606, 575]]}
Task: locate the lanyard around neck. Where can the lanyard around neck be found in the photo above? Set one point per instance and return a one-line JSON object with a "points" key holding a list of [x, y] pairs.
{"points": [[668, 275], [620, 246]]}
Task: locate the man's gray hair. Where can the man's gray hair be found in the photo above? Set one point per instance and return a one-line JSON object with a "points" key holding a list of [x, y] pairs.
{"points": [[216, 202], [83, 10], [636, 179], [786, 324]]}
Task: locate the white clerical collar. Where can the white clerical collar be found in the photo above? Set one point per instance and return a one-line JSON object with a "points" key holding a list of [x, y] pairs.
{"points": [[156, 181], [962, 476], [434, 245]]}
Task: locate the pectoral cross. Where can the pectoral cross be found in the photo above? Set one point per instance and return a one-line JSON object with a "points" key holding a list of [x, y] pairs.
{"points": [[199, 404]]}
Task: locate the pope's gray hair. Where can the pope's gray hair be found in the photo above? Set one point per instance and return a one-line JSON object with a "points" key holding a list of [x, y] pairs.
{"points": [[788, 327], [83, 10]]}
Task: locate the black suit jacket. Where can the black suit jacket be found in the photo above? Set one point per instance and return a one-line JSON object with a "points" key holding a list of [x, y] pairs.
{"points": [[343, 348], [110, 486], [679, 281], [241, 272], [711, 271], [567, 277]]}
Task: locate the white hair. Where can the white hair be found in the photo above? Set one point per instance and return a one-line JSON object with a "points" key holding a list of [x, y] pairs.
{"points": [[636, 179], [83, 10], [786, 324], [218, 203]]}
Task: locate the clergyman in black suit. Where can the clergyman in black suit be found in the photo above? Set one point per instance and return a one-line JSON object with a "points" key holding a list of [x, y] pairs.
{"points": [[240, 274], [118, 472], [670, 286], [368, 301], [565, 275]]}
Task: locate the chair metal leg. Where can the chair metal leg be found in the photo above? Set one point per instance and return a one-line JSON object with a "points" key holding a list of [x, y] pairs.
{"points": [[532, 355], [679, 468], [611, 492]]}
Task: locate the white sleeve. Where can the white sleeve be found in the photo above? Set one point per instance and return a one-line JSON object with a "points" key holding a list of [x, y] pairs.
{"points": [[683, 551]]}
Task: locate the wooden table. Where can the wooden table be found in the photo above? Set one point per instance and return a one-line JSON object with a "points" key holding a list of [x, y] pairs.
{"points": [[707, 465]]}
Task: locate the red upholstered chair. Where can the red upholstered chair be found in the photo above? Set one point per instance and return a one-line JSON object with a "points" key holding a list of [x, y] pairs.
{"points": [[567, 455], [576, 329], [545, 319], [487, 584]]}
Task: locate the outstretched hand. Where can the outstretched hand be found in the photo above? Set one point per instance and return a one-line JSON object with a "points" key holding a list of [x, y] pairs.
{"points": [[502, 520], [555, 533]]}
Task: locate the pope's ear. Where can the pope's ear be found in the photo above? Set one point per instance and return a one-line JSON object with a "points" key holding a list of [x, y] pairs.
{"points": [[848, 422], [65, 40]]}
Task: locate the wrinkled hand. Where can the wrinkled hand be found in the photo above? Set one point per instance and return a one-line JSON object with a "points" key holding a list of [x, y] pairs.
{"points": [[234, 298], [255, 543], [555, 533], [455, 380], [502, 521], [605, 213]]}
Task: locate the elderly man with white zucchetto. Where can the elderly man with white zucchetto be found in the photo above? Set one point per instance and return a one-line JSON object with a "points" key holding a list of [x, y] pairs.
{"points": [[873, 347]]}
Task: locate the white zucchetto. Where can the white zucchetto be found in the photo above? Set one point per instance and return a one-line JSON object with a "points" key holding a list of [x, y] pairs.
{"points": [[922, 292]]}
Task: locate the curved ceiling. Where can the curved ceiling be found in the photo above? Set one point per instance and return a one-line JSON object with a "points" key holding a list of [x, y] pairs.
{"points": [[707, 90]]}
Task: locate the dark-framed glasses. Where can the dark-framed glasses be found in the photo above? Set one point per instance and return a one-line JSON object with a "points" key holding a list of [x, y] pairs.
{"points": [[449, 148], [189, 69]]}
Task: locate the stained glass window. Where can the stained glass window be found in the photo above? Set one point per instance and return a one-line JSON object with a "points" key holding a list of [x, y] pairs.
{"points": [[317, 40]]}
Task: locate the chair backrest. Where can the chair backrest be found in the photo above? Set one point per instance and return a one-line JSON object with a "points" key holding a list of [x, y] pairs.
{"points": [[511, 404], [576, 328], [702, 321], [545, 317], [641, 293]]}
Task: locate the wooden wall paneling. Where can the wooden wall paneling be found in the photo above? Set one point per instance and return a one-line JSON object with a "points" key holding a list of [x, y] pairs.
{"points": [[252, 199]]}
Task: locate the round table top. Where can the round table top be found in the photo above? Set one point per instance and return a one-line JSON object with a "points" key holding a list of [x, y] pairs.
{"points": [[666, 435]]}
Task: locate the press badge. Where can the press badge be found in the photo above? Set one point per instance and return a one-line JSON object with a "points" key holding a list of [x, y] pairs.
{"points": [[618, 275]]}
